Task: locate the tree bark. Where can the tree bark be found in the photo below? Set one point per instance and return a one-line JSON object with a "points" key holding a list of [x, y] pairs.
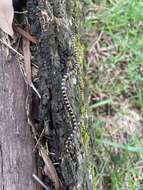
{"points": [[53, 24], [16, 159]]}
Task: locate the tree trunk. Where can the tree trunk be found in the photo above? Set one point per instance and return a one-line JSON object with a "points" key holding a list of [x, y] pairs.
{"points": [[54, 23], [16, 160], [60, 155]]}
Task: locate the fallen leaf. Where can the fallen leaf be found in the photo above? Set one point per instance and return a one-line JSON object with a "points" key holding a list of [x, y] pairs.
{"points": [[27, 61], [6, 16], [27, 64]]}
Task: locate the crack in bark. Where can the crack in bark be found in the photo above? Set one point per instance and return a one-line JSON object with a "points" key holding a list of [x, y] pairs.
{"points": [[2, 173]]}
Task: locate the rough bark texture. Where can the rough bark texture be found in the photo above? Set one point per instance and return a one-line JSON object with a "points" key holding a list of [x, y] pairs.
{"points": [[16, 163], [51, 22]]}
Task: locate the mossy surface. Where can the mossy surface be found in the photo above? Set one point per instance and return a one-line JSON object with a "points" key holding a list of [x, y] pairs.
{"points": [[79, 47]]}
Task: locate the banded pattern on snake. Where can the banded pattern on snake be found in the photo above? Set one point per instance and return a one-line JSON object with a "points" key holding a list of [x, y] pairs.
{"points": [[69, 144]]}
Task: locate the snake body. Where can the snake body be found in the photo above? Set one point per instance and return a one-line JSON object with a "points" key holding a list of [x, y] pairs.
{"points": [[69, 141]]}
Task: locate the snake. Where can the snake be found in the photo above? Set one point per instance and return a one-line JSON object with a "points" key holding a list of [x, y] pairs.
{"points": [[69, 141]]}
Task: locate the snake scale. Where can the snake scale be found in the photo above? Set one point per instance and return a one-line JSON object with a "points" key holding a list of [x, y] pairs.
{"points": [[69, 145]]}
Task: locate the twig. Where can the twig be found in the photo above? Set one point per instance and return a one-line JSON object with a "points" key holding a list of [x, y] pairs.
{"points": [[21, 12], [51, 171], [11, 48], [36, 178], [25, 34], [38, 140], [36, 91], [96, 41]]}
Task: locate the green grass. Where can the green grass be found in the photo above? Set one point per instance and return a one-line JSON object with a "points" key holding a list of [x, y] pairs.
{"points": [[114, 44]]}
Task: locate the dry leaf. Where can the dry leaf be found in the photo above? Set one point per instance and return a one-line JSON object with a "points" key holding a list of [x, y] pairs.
{"points": [[6, 16], [27, 61]]}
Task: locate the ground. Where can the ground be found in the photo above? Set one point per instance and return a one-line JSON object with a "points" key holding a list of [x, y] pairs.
{"points": [[113, 44]]}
